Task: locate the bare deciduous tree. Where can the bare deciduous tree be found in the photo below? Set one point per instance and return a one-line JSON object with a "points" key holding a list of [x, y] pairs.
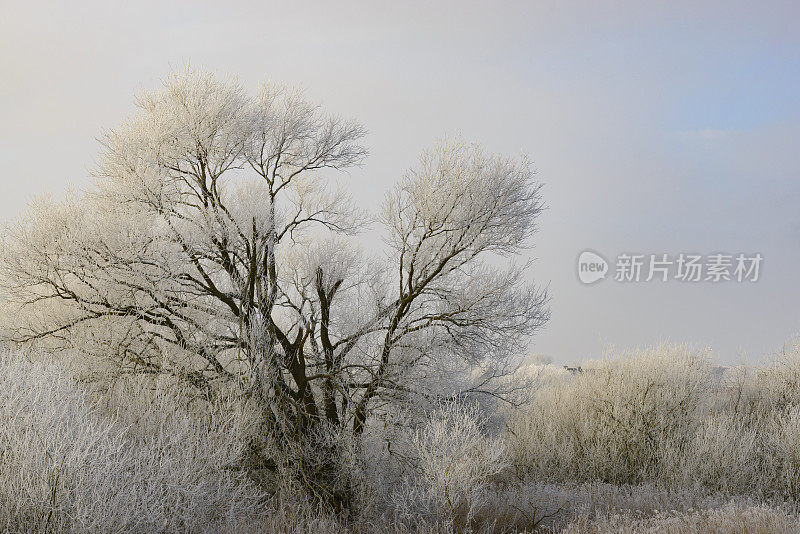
{"points": [[214, 247]]}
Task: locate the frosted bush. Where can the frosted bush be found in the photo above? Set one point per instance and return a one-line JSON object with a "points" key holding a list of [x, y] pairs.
{"points": [[613, 421], [457, 460], [667, 416], [784, 437], [68, 467], [721, 457], [731, 519]]}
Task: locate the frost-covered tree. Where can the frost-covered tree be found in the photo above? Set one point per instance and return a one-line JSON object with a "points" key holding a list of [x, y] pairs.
{"points": [[214, 245]]}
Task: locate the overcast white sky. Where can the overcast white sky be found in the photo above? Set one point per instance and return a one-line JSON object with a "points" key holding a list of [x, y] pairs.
{"points": [[662, 129]]}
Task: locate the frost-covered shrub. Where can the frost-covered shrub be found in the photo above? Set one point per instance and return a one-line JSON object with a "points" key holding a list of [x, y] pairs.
{"points": [[667, 416], [457, 460], [784, 440], [433, 477], [732, 519], [722, 456], [616, 420], [150, 464]]}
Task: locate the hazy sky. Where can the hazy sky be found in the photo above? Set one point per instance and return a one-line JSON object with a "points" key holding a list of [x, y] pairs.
{"points": [[662, 129]]}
